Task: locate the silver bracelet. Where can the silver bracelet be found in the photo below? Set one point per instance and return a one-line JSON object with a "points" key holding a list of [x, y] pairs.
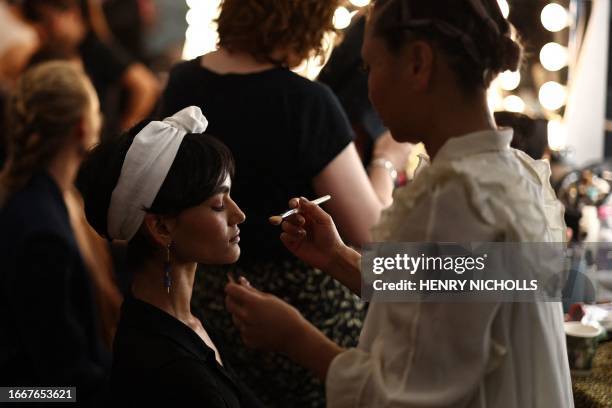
{"points": [[387, 165]]}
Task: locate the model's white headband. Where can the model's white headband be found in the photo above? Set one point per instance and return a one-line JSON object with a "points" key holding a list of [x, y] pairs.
{"points": [[145, 168]]}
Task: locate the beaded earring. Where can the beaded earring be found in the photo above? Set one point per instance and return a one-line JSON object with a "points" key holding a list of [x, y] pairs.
{"points": [[167, 269]]}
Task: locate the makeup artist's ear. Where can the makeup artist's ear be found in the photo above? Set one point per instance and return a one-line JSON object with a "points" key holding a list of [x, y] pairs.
{"points": [[418, 58], [157, 228]]}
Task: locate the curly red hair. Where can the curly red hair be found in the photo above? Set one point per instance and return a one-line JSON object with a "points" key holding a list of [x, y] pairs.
{"points": [[263, 27]]}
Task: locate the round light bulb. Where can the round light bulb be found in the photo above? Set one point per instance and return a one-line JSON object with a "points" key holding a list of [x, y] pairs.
{"points": [[554, 17], [504, 7], [513, 103], [557, 134], [552, 95], [360, 3], [554, 56], [342, 18], [509, 80]]}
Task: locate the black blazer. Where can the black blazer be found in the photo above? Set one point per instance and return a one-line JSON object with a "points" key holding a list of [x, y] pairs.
{"points": [[159, 360], [48, 319]]}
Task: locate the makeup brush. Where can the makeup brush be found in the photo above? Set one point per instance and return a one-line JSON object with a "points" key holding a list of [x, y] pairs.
{"points": [[278, 219]]}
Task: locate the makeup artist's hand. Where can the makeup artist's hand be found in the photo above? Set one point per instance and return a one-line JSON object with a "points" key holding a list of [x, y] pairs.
{"points": [[265, 321], [311, 235]]}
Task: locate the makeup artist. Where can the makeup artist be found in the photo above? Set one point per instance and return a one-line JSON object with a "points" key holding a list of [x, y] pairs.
{"points": [[430, 64]]}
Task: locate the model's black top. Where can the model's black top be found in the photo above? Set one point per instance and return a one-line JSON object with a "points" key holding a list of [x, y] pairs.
{"points": [[48, 318], [282, 129], [160, 361]]}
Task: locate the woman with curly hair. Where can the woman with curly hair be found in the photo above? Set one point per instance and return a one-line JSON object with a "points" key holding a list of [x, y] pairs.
{"points": [[289, 137]]}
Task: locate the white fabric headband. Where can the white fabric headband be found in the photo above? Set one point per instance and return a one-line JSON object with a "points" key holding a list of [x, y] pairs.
{"points": [[145, 168]]}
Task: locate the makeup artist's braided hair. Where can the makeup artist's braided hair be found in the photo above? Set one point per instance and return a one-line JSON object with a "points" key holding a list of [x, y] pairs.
{"points": [[477, 39], [48, 101]]}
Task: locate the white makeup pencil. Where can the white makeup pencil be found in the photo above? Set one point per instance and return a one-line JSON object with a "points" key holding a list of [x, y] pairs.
{"points": [[278, 219]]}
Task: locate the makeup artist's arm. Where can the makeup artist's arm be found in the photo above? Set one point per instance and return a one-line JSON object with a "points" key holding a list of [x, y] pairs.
{"points": [[360, 197], [268, 323], [312, 236]]}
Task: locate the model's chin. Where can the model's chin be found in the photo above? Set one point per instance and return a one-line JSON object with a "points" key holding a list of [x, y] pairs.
{"points": [[233, 253]]}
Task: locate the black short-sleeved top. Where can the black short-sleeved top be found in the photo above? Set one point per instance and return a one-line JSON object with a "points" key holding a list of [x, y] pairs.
{"points": [[159, 361], [105, 64], [282, 129], [48, 318]]}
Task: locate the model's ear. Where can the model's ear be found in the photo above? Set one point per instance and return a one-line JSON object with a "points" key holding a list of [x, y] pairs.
{"points": [[158, 229]]}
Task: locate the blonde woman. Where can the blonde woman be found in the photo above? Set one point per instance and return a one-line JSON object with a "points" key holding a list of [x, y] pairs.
{"points": [[49, 323]]}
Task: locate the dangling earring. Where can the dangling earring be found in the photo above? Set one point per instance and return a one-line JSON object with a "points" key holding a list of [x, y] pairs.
{"points": [[167, 269]]}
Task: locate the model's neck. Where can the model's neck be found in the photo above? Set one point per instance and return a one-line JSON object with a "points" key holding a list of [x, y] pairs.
{"points": [[148, 285]]}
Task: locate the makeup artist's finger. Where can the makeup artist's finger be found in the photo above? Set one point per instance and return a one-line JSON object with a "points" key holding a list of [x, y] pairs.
{"points": [[292, 229], [245, 282], [314, 212], [296, 219], [291, 240], [230, 278], [294, 203], [243, 295], [232, 305], [237, 322]]}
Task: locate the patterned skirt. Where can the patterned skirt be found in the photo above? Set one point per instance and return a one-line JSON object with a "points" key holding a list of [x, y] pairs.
{"points": [[321, 299]]}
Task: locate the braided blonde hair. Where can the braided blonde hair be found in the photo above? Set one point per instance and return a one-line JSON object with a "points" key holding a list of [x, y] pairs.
{"points": [[48, 101]]}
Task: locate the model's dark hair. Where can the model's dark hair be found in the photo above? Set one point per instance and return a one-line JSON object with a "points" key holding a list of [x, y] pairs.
{"points": [[487, 47], [201, 165]]}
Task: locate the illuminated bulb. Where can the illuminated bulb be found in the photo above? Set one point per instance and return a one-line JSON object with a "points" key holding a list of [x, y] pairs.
{"points": [[552, 95], [360, 3], [553, 56], [554, 17], [504, 7], [557, 134], [509, 80], [201, 36], [513, 103], [342, 18], [494, 100]]}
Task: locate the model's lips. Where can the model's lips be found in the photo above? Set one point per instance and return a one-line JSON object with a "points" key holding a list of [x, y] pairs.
{"points": [[236, 238]]}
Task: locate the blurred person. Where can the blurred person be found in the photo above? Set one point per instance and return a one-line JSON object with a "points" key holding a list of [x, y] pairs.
{"points": [[530, 135], [130, 21], [18, 40], [345, 75], [440, 56], [289, 136], [95, 251], [51, 334], [63, 25], [165, 189]]}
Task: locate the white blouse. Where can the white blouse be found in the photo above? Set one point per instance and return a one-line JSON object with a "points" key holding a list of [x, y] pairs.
{"points": [[463, 354]]}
